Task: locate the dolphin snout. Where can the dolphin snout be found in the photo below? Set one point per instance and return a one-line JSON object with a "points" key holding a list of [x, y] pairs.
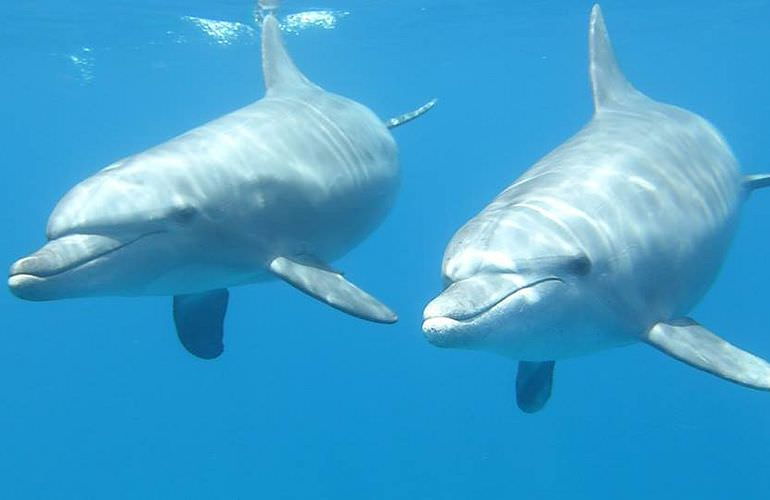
{"points": [[464, 313], [32, 277], [27, 287], [446, 305], [444, 318], [25, 276], [438, 331], [468, 298], [63, 254], [32, 264]]}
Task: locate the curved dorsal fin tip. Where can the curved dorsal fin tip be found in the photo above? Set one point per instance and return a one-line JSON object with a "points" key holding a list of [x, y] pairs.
{"points": [[608, 84], [277, 66]]}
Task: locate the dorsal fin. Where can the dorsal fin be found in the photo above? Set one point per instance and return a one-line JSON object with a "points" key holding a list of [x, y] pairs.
{"points": [[608, 83], [278, 68]]}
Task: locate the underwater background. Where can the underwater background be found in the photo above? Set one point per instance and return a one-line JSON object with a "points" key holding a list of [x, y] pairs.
{"points": [[99, 399]]}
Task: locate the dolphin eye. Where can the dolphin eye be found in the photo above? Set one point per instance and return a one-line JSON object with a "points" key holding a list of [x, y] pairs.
{"points": [[580, 265], [183, 215]]}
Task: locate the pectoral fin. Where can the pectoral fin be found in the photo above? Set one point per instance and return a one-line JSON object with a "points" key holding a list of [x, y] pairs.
{"points": [[756, 181], [331, 287], [199, 319], [407, 117], [688, 341], [533, 385]]}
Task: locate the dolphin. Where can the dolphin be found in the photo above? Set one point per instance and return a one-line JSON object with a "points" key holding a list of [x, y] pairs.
{"points": [[608, 240], [277, 189]]}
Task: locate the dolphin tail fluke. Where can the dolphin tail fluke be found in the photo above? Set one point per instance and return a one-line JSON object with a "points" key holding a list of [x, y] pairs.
{"points": [[329, 286], [533, 385], [407, 117], [199, 320], [756, 181], [608, 84], [687, 341]]}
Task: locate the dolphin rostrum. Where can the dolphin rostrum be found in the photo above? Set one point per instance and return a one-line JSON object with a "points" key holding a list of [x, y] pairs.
{"points": [[278, 188], [610, 239]]}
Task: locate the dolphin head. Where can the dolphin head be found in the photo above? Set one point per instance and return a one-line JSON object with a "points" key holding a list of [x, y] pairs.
{"points": [[508, 295], [118, 232]]}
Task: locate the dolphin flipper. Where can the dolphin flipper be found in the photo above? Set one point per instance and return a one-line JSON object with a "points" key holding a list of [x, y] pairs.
{"points": [[690, 342], [331, 287], [407, 117], [533, 385], [199, 319]]}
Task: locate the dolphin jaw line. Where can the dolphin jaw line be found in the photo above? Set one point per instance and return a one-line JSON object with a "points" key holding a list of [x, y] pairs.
{"points": [[25, 267], [439, 325]]}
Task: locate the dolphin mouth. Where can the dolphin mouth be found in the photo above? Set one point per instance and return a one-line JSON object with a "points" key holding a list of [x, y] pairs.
{"points": [[473, 314], [439, 321], [60, 256]]}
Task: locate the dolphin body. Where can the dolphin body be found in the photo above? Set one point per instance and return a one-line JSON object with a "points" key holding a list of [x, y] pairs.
{"points": [[608, 240], [278, 188]]}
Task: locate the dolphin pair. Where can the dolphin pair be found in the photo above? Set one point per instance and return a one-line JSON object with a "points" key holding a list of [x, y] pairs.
{"points": [[279, 188], [608, 240]]}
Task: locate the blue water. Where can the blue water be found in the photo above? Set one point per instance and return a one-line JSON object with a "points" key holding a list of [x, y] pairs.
{"points": [[99, 400]]}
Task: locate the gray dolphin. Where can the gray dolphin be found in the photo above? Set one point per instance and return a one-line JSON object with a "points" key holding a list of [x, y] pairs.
{"points": [[278, 188], [608, 240]]}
